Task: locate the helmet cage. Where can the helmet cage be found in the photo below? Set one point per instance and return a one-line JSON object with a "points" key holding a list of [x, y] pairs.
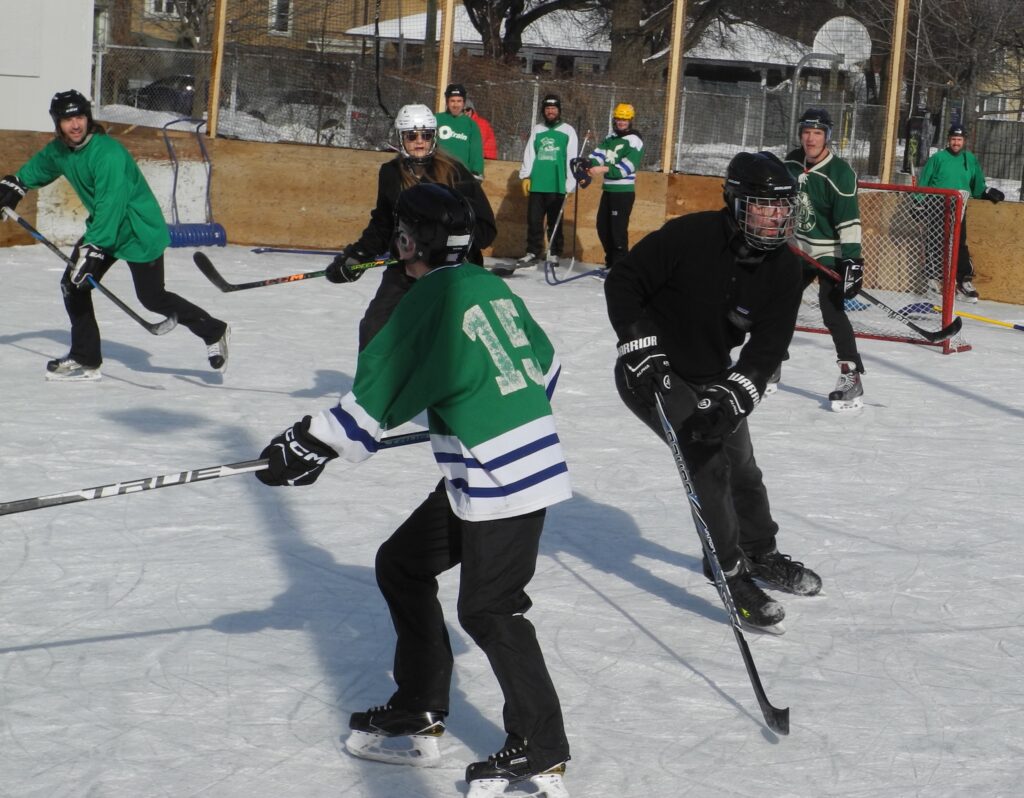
{"points": [[766, 222], [438, 220]]}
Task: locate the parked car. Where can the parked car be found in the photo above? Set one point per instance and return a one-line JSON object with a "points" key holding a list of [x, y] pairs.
{"points": [[174, 93], [313, 115]]}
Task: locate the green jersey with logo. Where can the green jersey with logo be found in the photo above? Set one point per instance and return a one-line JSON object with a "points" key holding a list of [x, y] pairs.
{"points": [[546, 159], [828, 222], [459, 136], [463, 347]]}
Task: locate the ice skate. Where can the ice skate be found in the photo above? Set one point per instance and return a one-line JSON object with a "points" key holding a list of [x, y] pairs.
{"points": [[849, 391], [217, 352], [398, 736], [758, 611], [67, 369], [512, 773], [965, 291], [773, 381], [529, 259], [782, 572]]}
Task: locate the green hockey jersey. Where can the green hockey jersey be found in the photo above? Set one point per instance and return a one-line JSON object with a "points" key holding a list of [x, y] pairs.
{"points": [[621, 154], [546, 159], [124, 216], [459, 136], [828, 222], [463, 347]]}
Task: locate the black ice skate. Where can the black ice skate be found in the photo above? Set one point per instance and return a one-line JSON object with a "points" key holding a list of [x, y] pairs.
{"points": [[965, 291], [848, 392], [780, 571], [512, 765], [217, 352], [399, 736], [756, 609]]}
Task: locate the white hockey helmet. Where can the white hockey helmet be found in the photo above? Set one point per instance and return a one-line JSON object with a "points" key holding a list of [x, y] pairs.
{"points": [[416, 118]]}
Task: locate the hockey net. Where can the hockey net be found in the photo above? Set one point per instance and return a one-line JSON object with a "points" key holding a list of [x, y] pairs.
{"points": [[910, 244]]}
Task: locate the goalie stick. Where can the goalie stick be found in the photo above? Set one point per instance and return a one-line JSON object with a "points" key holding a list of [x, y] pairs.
{"points": [[207, 268], [776, 719], [167, 480], [157, 328], [932, 336]]}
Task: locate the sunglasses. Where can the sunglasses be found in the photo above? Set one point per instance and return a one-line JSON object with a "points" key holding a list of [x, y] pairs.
{"points": [[413, 135]]}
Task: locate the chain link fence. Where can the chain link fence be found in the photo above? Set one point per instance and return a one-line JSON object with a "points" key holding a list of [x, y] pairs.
{"points": [[324, 74]]}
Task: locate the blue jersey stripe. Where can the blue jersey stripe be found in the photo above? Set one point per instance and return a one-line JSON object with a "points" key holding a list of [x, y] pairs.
{"points": [[516, 487], [353, 430], [503, 460]]}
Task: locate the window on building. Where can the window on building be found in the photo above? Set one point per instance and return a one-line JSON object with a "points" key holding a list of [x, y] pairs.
{"points": [[280, 16], [162, 7]]}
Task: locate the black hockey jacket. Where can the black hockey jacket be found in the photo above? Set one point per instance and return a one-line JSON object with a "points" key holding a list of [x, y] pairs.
{"points": [[702, 300], [376, 238]]}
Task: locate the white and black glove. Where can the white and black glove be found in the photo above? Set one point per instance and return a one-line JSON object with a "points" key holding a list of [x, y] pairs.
{"points": [[644, 367], [88, 260], [296, 457], [852, 272], [12, 191], [993, 195], [340, 270], [721, 407]]}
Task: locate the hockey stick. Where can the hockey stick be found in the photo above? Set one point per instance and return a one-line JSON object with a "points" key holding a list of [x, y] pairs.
{"points": [[552, 277], [932, 336], [776, 719], [285, 250], [157, 328], [208, 269], [558, 220], [1009, 325], [167, 480]]}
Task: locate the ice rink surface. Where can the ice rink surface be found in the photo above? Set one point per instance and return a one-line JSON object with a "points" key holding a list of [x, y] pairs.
{"points": [[212, 639]]}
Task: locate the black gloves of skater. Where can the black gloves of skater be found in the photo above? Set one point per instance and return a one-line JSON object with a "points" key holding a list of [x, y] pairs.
{"points": [[296, 457], [88, 259], [580, 168], [852, 272], [993, 195], [721, 407], [12, 191], [340, 270], [644, 366]]}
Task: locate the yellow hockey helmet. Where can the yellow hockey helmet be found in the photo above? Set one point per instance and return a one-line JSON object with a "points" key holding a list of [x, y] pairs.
{"points": [[624, 111]]}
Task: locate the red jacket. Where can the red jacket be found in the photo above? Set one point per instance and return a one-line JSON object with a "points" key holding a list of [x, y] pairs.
{"points": [[486, 134]]}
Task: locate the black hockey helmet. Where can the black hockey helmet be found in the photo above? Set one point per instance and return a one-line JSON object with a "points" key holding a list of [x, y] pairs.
{"points": [[552, 99], [438, 219], [455, 90], [818, 119], [956, 129], [66, 104], [759, 180]]}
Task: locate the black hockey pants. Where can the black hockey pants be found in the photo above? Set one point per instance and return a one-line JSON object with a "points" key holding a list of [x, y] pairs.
{"points": [[541, 205], [497, 561], [725, 476], [148, 279], [613, 224]]}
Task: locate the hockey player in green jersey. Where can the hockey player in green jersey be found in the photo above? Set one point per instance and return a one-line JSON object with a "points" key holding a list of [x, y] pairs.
{"points": [[464, 348], [124, 223], [617, 158], [547, 179], [956, 167], [457, 133], [828, 229]]}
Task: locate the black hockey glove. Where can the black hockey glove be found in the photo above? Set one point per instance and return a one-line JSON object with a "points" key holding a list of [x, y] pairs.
{"points": [[852, 272], [296, 457], [12, 191], [88, 258], [580, 168], [644, 367], [340, 272], [993, 195], [721, 407]]}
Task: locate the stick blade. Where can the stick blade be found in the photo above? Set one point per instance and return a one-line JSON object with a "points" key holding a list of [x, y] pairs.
{"points": [[939, 335], [209, 271], [165, 326]]}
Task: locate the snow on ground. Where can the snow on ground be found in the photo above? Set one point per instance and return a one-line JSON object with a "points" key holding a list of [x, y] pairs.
{"points": [[212, 639]]}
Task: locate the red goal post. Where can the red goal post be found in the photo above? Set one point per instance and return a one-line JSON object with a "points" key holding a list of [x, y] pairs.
{"points": [[910, 243]]}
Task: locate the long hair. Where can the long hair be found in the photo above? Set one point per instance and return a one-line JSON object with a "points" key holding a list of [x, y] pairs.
{"points": [[442, 169]]}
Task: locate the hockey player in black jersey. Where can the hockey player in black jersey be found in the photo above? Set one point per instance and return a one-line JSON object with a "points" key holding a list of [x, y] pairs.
{"points": [[680, 302]]}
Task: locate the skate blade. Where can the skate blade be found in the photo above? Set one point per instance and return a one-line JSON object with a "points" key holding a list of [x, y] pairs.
{"points": [[416, 750], [546, 785], [770, 388], [847, 405], [87, 376], [775, 629]]}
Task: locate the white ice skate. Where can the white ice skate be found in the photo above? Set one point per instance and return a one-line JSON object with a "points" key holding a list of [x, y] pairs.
{"points": [[849, 392], [544, 785]]}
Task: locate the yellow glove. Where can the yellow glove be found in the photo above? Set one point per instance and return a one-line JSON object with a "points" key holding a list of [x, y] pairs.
{"points": [[526, 187]]}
